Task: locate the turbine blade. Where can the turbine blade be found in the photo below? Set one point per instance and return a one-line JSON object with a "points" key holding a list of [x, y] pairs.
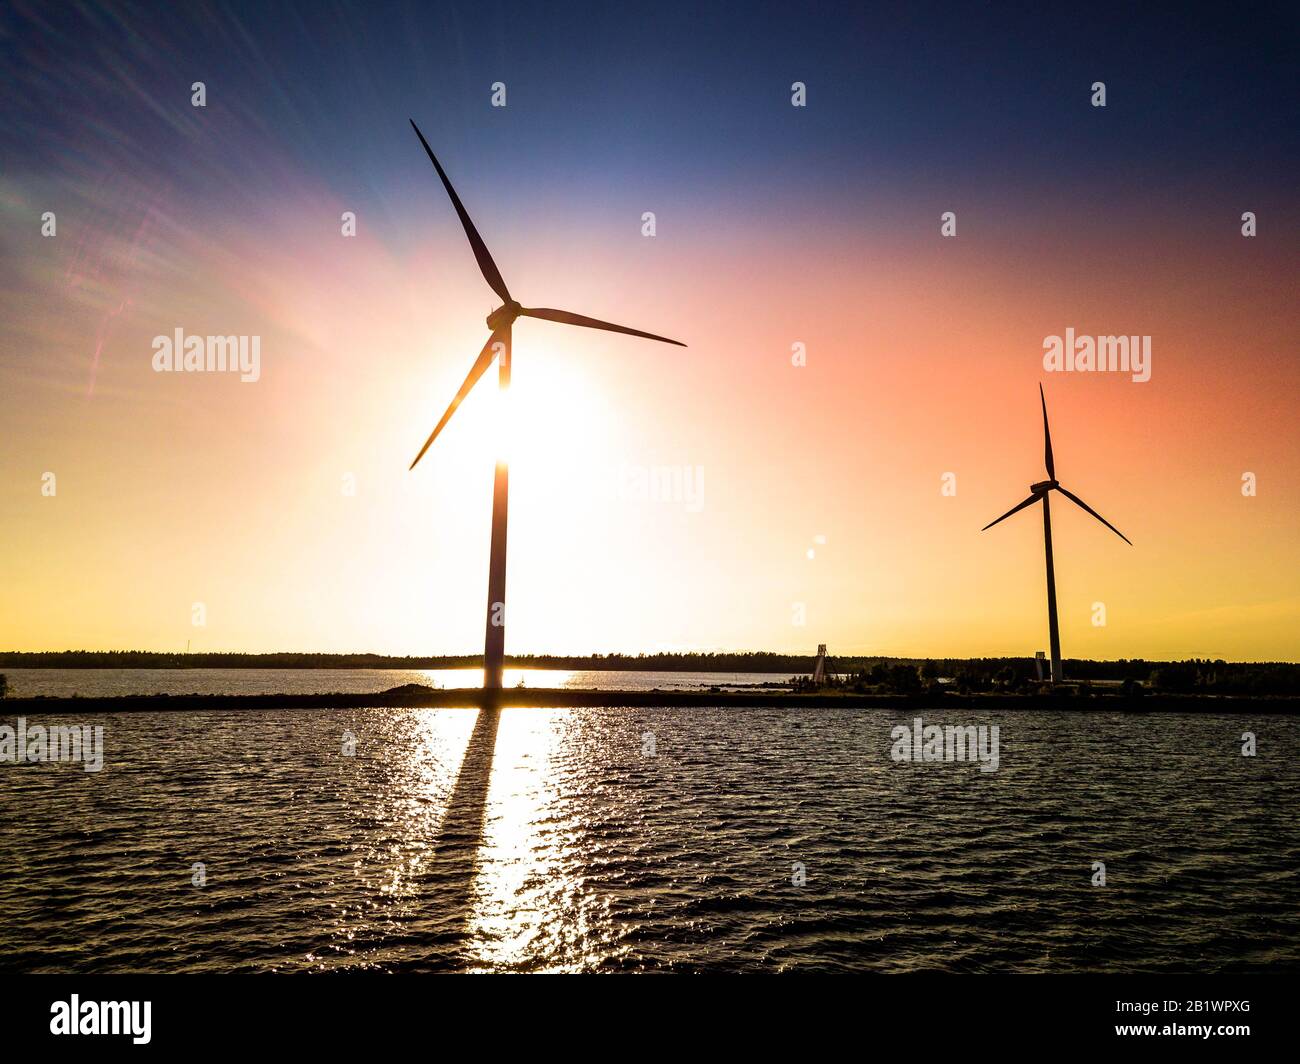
{"points": [[480, 367], [568, 318], [1032, 499], [1047, 438], [1079, 502], [490, 272]]}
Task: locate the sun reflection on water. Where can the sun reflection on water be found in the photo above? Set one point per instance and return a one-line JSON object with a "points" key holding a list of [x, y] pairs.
{"points": [[525, 899], [511, 677]]}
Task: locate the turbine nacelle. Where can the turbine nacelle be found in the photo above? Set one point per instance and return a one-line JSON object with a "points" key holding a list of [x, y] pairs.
{"points": [[1038, 492], [504, 315]]}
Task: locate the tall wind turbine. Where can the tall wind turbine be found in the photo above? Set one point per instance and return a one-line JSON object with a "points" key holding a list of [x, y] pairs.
{"points": [[1039, 493], [498, 347]]}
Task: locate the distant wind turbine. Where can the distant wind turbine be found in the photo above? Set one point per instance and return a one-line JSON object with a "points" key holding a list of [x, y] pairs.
{"points": [[498, 346], [1039, 493]]}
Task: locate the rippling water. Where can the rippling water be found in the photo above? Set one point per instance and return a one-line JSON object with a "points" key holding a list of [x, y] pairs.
{"points": [[64, 683], [555, 840]]}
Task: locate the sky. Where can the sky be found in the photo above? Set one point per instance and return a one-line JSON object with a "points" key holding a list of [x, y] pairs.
{"points": [[720, 496]]}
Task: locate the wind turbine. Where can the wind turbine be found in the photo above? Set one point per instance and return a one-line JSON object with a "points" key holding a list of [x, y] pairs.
{"points": [[498, 347], [1039, 493]]}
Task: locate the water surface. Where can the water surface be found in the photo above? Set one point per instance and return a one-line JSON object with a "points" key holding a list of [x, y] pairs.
{"points": [[652, 839], [65, 683]]}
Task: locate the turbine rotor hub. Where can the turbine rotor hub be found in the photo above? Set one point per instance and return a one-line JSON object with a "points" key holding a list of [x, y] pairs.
{"points": [[1044, 486], [504, 315]]}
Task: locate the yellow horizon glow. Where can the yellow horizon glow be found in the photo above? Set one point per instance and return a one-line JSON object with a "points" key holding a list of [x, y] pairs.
{"points": [[175, 489]]}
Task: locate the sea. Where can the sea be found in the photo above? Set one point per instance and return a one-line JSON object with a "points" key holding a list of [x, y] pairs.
{"points": [[709, 840]]}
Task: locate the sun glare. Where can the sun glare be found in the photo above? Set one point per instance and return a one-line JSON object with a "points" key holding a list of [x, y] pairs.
{"points": [[549, 418]]}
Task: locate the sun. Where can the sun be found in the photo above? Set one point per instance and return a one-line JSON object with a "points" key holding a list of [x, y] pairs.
{"points": [[553, 414]]}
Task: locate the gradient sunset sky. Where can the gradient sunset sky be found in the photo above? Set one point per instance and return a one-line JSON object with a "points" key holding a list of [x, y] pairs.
{"points": [[775, 226]]}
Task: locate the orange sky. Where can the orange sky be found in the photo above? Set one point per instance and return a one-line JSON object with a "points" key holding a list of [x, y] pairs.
{"points": [[923, 357]]}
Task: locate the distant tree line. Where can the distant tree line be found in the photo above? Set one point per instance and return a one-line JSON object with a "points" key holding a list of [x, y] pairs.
{"points": [[1195, 676], [1227, 678], [851, 673], [146, 659]]}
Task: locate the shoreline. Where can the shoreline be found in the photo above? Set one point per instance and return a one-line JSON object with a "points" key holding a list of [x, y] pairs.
{"points": [[416, 696]]}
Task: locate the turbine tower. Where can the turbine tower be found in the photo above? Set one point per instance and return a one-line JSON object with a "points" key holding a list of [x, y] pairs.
{"points": [[498, 347], [1039, 493]]}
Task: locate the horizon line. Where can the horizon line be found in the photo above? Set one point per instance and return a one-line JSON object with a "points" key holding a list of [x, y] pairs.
{"points": [[629, 655]]}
